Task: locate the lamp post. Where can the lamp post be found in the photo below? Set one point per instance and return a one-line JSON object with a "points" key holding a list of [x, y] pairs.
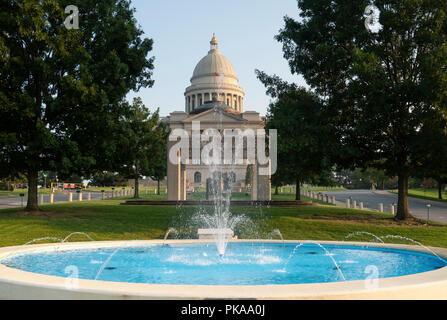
{"points": [[428, 212], [45, 179], [22, 195]]}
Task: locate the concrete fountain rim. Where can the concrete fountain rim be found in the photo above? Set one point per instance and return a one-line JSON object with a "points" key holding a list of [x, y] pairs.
{"points": [[18, 284]]}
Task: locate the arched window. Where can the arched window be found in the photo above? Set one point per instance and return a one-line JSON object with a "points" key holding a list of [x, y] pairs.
{"points": [[197, 177]]}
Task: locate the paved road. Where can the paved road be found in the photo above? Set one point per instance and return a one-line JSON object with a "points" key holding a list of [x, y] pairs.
{"points": [[371, 200], [14, 202]]}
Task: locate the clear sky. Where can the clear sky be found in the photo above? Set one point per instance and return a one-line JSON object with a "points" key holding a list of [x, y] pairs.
{"points": [[182, 30]]}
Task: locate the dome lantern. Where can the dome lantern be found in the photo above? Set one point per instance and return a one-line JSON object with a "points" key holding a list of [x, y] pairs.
{"points": [[214, 79], [214, 43]]}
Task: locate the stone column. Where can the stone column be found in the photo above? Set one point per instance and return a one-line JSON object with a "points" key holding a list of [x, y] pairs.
{"points": [[51, 197], [80, 196], [172, 176], [264, 192], [254, 182], [182, 183], [89, 196], [70, 197], [176, 177], [380, 207]]}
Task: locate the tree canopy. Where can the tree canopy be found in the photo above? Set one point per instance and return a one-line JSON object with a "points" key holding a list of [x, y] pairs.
{"points": [[378, 87], [144, 150], [304, 138], [60, 89]]}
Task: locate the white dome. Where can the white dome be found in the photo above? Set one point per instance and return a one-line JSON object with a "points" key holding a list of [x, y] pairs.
{"points": [[214, 64], [214, 78]]}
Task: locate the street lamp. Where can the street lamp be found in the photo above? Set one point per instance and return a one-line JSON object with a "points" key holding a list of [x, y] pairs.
{"points": [[45, 177], [428, 212]]}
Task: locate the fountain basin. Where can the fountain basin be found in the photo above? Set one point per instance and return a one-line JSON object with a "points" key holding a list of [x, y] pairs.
{"points": [[211, 234], [429, 284]]}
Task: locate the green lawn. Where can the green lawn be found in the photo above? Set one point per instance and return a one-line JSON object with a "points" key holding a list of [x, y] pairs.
{"points": [[149, 189], [143, 190], [107, 220], [322, 189], [428, 194], [201, 195], [17, 192]]}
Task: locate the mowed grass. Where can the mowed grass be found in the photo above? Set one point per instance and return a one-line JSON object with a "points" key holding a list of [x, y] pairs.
{"points": [[17, 192], [108, 220], [428, 194]]}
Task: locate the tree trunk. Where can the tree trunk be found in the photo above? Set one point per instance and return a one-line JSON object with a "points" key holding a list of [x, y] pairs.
{"points": [[158, 187], [32, 204], [137, 187], [297, 193], [276, 190], [439, 189], [403, 211]]}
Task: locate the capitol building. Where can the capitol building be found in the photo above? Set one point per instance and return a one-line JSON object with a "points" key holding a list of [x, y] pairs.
{"points": [[215, 99]]}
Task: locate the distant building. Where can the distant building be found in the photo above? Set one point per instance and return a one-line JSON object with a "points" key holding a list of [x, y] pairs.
{"points": [[216, 100]]}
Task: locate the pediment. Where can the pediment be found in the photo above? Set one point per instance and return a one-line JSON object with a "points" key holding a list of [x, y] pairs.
{"points": [[213, 116]]}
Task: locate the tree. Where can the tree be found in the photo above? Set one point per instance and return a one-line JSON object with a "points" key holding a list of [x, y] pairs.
{"points": [[434, 152], [107, 179], [304, 139], [159, 156], [145, 145], [248, 174], [379, 87], [60, 89], [325, 178]]}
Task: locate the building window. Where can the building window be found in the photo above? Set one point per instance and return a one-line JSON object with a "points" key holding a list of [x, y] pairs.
{"points": [[232, 177], [197, 177]]}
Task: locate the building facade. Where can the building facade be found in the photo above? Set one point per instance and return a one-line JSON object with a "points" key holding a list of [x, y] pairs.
{"points": [[216, 101]]}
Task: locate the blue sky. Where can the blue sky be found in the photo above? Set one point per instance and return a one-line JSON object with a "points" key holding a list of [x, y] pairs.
{"points": [[181, 31]]}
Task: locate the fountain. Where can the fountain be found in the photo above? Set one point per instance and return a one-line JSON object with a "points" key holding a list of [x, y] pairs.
{"points": [[170, 230], [220, 224], [218, 265], [390, 236]]}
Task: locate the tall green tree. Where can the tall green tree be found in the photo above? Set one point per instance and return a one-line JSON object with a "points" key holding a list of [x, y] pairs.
{"points": [[304, 139], [379, 87], [159, 155], [60, 88], [145, 144], [433, 151], [107, 179]]}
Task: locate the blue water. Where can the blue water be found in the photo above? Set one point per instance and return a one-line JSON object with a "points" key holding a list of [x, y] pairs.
{"points": [[243, 263]]}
